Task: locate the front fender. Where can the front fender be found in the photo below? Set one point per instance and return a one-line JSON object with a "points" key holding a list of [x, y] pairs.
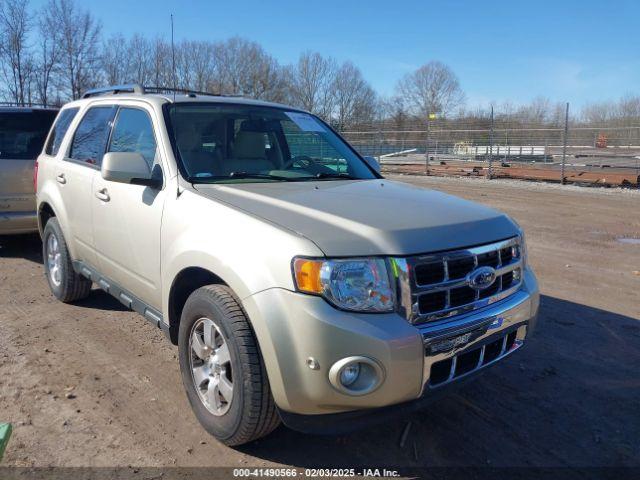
{"points": [[248, 254]]}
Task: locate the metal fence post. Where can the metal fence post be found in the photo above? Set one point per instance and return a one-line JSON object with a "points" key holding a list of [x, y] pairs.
{"points": [[564, 144], [546, 146], [489, 171], [426, 149]]}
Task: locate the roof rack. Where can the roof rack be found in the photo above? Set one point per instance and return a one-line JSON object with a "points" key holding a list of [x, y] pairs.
{"points": [[114, 89], [141, 90], [186, 91]]}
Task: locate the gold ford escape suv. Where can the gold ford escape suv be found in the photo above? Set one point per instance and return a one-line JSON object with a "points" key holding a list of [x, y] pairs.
{"points": [[298, 283]]}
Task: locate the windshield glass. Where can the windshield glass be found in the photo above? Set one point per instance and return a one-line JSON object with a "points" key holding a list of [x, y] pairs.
{"points": [[246, 143], [22, 133]]}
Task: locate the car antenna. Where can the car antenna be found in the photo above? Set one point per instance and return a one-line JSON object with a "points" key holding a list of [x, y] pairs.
{"points": [[173, 60], [173, 69]]}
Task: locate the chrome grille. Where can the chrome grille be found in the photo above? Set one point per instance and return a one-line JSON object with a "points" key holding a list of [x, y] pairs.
{"points": [[437, 286], [467, 362]]}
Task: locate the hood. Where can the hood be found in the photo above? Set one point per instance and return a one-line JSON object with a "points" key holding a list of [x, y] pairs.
{"points": [[368, 217]]}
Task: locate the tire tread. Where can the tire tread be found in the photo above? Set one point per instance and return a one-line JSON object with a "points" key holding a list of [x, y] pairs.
{"points": [[259, 416], [74, 286]]}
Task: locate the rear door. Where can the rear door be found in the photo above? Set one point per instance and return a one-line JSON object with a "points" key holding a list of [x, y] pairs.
{"points": [[75, 176], [22, 135]]}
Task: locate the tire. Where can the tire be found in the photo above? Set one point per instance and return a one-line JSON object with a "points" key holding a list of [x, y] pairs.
{"points": [[250, 413], [66, 285]]}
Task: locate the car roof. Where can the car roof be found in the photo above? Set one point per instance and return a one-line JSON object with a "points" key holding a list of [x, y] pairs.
{"points": [[178, 98]]}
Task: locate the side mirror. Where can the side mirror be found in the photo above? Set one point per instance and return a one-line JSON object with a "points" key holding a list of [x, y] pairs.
{"points": [[127, 167], [373, 163]]}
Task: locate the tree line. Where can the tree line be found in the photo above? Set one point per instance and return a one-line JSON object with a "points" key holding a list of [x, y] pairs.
{"points": [[54, 54]]}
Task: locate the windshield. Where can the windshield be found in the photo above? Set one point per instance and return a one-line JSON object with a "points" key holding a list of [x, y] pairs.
{"points": [[245, 143], [22, 133]]}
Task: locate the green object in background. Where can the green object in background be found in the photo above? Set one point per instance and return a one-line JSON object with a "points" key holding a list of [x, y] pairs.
{"points": [[5, 433]]}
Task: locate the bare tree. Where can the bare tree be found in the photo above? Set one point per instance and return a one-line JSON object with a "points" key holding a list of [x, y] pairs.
{"points": [[353, 96], [140, 55], [77, 34], [598, 113], [311, 83], [243, 67], [15, 55], [161, 65], [433, 88], [195, 64], [629, 108], [115, 60], [538, 111], [46, 58]]}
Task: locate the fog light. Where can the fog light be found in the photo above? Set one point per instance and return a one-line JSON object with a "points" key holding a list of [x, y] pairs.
{"points": [[349, 374], [356, 375]]}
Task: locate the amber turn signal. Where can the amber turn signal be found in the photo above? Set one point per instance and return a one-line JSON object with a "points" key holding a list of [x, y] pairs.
{"points": [[307, 273]]}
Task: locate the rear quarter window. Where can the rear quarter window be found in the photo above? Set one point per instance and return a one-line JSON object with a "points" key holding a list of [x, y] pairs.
{"points": [[60, 127]]}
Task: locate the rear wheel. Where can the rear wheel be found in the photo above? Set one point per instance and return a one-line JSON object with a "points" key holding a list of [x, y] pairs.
{"points": [[222, 369], [65, 283]]}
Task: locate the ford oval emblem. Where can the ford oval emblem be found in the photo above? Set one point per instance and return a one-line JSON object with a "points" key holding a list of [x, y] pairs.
{"points": [[482, 278]]}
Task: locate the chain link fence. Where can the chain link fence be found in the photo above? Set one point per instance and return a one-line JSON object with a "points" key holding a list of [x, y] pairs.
{"points": [[505, 146]]}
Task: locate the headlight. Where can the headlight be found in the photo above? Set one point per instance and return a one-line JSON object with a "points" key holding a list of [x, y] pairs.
{"points": [[359, 284]]}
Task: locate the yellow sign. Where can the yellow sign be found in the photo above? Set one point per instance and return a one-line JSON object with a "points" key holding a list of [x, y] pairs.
{"points": [[432, 116]]}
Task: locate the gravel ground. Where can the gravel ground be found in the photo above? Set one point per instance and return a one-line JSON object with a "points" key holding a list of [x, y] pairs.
{"points": [[93, 384]]}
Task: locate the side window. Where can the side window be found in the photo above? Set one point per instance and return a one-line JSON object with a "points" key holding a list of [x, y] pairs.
{"points": [[65, 117], [133, 132], [91, 136]]}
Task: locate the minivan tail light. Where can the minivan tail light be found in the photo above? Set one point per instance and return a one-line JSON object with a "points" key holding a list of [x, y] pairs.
{"points": [[35, 176]]}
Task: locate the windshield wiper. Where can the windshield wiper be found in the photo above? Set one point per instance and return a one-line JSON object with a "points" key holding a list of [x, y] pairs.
{"points": [[346, 176], [238, 175]]}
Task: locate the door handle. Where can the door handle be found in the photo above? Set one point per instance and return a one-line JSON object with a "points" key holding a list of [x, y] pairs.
{"points": [[103, 195], [61, 179]]}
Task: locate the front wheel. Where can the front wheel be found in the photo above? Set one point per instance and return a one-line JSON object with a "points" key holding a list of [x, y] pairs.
{"points": [[222, 369]]}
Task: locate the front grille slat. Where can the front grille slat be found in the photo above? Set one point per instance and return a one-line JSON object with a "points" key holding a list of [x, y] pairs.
{"points": [[460, 268], [433, 301], [461, 364], [430, 273], [461, 296], [489, 259], [439, 285]]}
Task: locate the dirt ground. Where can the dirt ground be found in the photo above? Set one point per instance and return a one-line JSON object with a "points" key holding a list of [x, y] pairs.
{"points": [[93, 384]]}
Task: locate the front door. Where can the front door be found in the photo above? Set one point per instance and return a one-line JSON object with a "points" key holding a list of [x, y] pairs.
{"points": [[126, 218]]}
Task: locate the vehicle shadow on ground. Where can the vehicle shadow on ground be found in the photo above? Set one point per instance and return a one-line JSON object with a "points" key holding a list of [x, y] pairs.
{"points": [[28, 247], [569, 398], [99, 299]]}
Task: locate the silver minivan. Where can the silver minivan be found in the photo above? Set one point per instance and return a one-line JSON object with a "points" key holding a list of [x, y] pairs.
{"points": [[22, 134]]}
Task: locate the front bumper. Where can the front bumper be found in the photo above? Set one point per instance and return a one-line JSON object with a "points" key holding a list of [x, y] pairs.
{"points": [[293, 327], [14, 223]]}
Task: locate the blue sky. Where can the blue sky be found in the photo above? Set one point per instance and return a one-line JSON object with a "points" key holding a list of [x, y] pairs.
{"points": [[567, 50]]}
